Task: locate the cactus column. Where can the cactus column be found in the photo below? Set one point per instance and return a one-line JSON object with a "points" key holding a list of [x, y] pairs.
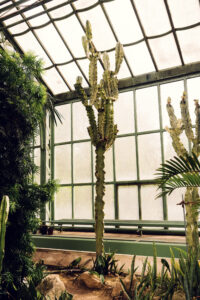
{"points": [[191, 195], [102, 131]]}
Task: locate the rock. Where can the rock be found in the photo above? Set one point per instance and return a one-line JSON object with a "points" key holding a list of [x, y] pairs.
{"points": [[51, 286], [92, 281], [114, 285], [178, 295]]}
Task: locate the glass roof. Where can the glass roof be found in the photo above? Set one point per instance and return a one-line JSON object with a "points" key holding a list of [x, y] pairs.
{"points": [[156, 35]]}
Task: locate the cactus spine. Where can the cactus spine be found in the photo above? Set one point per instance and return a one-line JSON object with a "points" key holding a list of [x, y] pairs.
{"points": [[4, 210], [191, 195], [102, 131]]}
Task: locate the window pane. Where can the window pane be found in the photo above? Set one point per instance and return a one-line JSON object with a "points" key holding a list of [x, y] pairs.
{"points": [[124, 114], [139, 59], [190, 44], [193, 89], [147, 109], [63, 203], [184, 13], [74, 40], [82, 162], [54, 81], [152, 208], [149, 154], [37, 158], [174, 90], [80, 122], [128, 198], [70, 73], [169, 151], [63, 163], [50, 38], [125, 158], [165, 52], [175, 212], [109, 202], [29, 43], [127, 28], [62, 131], [83, 202], [102, 35], [153, 15]]}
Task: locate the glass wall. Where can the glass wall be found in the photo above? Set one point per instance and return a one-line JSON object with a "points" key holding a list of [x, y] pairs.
{"points": [[141, 145]]}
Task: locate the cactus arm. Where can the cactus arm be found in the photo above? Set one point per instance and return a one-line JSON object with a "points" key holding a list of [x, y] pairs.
{"points": [[196, 144], [4, 210], [119, 55], [187, 123]]}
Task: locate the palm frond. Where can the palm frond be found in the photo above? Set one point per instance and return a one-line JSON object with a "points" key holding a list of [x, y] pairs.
{"points": [[177, 173]]}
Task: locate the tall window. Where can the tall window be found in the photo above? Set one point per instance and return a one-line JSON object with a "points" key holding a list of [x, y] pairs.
{"points": [[141, 145]]}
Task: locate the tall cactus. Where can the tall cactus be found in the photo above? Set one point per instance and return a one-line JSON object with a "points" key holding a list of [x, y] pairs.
{"points": [[191, 195], [102, 131], [4, 210]]}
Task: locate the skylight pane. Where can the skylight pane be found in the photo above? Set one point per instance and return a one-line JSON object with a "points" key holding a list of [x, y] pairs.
{"points": [[124, 20], [18, 28], [60, 12], [184, 13], [139, 59], [165, 52], [38, 20], [54, 81], [72, 33], [84, 3], [70, 72], [53, 44], [153, 16], [102, 35], [190, 44], [29, 43]]}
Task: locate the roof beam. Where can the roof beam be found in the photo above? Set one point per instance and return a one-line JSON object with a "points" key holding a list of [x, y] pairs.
{"points": [[142, 80]]}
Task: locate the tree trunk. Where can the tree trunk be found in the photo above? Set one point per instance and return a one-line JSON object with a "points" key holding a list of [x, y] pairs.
{"points": [[99, 203], [192, 235]]}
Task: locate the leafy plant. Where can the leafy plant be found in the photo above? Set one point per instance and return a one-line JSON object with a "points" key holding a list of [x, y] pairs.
{"points": [[177, 173], [102, 131], [107, 264]]}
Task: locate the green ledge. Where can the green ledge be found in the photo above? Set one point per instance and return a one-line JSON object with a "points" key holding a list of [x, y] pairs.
{"points": [[118, 246]]}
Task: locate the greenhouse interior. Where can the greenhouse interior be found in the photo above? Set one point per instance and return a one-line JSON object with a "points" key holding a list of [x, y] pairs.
{"points": [[99, 149]]}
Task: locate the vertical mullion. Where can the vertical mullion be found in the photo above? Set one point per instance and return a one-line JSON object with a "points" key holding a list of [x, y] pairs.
{"points": [[72, 171], [116, 203], [52, 204], [137, 155], [165, 214], [43, 163]]}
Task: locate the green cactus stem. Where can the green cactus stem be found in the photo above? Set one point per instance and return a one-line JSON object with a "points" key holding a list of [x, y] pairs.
{"points": [[102, 131], [191, 194], [4, 210]]}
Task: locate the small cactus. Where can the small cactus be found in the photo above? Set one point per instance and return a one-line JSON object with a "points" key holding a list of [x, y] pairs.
{"points": [[102, 131]]}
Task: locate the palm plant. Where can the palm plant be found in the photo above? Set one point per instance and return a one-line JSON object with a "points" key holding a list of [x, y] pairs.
{"points": [[177, 173]]}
